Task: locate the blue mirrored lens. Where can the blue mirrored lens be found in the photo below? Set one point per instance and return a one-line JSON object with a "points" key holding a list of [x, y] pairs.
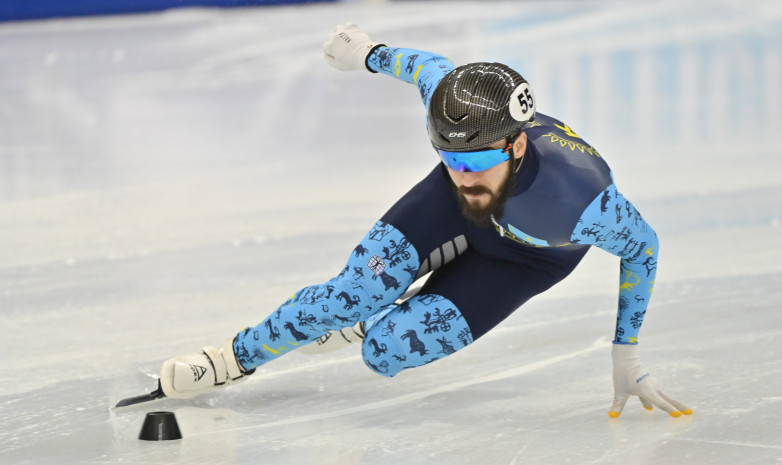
{"points": [[473, 161]]}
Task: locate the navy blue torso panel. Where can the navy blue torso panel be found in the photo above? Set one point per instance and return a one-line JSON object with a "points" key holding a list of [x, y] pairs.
{"points": [[560, 176]]}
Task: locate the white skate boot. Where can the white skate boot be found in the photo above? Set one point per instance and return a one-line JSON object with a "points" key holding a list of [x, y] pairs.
{"points": [[187, 376]]}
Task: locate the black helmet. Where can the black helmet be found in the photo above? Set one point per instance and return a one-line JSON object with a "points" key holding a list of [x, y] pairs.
{"points": [[478, 104]]}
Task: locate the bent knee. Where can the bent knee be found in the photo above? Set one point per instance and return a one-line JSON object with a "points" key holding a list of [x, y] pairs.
{"points": [[382, 357]]}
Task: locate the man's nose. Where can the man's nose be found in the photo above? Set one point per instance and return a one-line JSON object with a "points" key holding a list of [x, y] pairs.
{"points": [[470, 179]]}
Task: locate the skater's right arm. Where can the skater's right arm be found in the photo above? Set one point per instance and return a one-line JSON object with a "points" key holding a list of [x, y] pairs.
{"points": [[349, 48]]}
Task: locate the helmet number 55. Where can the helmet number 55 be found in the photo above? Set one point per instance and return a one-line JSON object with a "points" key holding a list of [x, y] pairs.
{"points": [[522, 103]]}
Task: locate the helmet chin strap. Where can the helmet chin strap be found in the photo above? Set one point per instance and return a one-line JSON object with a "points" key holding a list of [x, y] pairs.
{"points": [[517, 162]]}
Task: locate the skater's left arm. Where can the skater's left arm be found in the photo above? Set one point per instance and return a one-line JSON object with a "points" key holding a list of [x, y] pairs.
{"points": [[613, 224]]}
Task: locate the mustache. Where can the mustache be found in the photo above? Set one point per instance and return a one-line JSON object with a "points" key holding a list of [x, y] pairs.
{"points": [[475, 190]]}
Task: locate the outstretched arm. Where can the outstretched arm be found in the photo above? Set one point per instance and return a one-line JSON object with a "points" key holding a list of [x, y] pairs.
{"points": [[424, 69], [612, 223], [349, 48]]}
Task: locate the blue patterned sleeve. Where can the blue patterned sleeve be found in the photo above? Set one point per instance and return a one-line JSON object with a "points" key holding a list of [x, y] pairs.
{"points": [[424, 69], [612, 223]]}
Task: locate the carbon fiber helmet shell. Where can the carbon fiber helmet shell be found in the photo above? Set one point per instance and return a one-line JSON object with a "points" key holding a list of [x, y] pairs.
{"points": [[478, 104]]}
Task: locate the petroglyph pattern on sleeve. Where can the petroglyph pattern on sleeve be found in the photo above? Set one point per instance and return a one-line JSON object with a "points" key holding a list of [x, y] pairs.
{"points": [[612, 223], [424, 69]]}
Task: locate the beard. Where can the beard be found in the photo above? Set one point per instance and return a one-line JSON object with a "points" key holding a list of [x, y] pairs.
{"points": [[481, 215]]}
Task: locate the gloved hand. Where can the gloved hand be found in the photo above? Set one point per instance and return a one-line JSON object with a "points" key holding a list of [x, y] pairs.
{"points": [[631, 380], [347, 48]]}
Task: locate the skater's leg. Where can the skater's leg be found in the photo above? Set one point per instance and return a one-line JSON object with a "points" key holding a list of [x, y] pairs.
{"points": [[422, 231], [458, 304], [379, 270], [423, 329]]}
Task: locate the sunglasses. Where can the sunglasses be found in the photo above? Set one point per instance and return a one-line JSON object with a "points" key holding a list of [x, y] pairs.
{"points": [[474, 161]]}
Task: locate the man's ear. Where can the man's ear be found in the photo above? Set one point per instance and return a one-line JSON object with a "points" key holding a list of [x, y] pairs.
{"points": [[520, 145]]}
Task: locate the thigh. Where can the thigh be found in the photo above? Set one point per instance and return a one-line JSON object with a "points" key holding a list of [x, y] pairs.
{"points": [[429, 217], [486, 291], [423, 329], [459, 303]]}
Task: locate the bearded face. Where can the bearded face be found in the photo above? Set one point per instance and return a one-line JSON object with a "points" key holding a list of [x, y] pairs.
{"points": [[480, 201]]}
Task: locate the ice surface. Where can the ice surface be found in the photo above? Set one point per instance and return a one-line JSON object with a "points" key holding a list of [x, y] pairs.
{"points": [[168, 179]]}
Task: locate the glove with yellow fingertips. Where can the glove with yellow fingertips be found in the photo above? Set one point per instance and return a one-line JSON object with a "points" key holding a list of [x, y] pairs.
{"points": [[631, 380]]}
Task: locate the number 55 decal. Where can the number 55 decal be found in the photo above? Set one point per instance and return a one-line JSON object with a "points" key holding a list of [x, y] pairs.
{"points": [[522, 103]]}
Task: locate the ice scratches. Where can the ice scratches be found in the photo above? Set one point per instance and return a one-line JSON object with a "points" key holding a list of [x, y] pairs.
{"points": [[516, 457], [414, 396], [727, 443]]}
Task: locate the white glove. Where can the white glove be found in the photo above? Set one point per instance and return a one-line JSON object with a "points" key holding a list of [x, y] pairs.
{"points": [[631, 380], [187, 376], [347, 48]]}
